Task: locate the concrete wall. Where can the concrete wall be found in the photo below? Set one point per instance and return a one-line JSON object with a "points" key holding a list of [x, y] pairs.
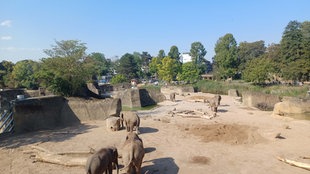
{"points": [[34, 114], [259, 100], [140, 97]]}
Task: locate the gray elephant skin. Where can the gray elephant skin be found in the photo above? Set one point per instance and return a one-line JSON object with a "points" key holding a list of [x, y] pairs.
{"points": [[102, 161], [133, 153], [131, 121]]}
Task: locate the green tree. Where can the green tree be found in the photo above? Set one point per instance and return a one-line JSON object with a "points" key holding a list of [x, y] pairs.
{"points": [[198, 53], [189, 73], [23, 74], [305, 29], [118, 78], [248, 51], [96, 65], [154, 65], [161, 54], [174, 53], [64, 72], [258, 70], [167, 69], [294, 48], [128, 66], [6, 68], [225, 60]]}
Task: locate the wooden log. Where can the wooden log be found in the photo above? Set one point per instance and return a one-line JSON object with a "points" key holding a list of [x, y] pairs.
{"points": [[62, 158], [295, 163]]}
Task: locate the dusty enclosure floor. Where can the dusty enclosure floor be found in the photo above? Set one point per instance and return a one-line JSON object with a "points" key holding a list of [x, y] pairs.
{"points": [[237, 140]]}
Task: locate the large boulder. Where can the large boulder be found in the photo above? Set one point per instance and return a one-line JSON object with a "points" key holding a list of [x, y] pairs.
{"points": [[292, 106]]}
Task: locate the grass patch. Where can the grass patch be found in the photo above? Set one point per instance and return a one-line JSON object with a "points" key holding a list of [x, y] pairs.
{"points": [[127, 108], [221, 87]]}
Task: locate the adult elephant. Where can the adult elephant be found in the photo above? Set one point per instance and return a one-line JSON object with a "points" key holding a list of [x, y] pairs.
{"points": [[133, 153], [131, 120]]}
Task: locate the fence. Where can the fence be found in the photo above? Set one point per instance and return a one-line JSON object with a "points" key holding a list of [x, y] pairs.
{"points": [[6, 120]]}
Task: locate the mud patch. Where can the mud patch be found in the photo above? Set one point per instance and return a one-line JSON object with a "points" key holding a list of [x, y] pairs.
{"points": [[227, 133], [200, 160]]}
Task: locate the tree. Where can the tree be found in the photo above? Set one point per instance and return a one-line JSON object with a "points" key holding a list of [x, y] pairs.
{"points": [[291, 42], [189, 73], [258, 70], [6, 68], [167, 69], [295, 51], [23, 74], [64, 72], [118, 78], [96, 65], [161, 54], [305, 29], [225, 59], [128, 66], [197, 53], [248, 51], [154, 65], [174, 53]]}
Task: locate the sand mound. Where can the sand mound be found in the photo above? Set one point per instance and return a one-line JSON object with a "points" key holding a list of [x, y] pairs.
{"points": [[227, 133]]}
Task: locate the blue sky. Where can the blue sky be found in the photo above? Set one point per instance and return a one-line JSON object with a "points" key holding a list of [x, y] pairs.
{"points": [[116, 27]]}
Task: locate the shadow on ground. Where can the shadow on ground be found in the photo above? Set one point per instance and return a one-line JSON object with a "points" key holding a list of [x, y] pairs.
{"points": [[55, 135], [161, 165], [144, 130]]}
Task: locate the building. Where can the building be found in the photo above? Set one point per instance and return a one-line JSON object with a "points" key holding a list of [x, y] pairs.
{"points": [[185, 57]]}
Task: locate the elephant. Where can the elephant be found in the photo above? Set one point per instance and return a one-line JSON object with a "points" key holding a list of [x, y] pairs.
{"points": [[132, 153], [131, 119], [102, 161], [113, 123], [218, 99], [172, 96]]}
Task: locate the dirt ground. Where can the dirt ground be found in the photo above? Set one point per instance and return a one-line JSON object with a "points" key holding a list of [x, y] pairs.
{"points": [[238, 140]]}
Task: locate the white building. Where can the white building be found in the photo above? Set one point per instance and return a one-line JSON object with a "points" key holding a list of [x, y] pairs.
{"points": [[185, 57]]}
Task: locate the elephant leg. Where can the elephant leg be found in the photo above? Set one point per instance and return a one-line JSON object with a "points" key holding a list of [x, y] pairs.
{"points": [[110, 168]]}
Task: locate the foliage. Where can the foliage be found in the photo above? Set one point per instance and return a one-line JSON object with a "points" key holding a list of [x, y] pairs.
{"points": [[6, 68], [167, 69], [174, 53], [118, 78], [197, 53], [97, 64], [258, 70], [161, 54], [65, 71], [23, 74], [154, 65], [294, 48], [128, 66], [189, 73], [225, 59], [249, 51]]}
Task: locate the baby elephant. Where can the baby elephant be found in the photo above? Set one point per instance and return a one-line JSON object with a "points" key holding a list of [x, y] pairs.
{"points": [[113, 123], [132, 121], [102, 161], [133, 153]]}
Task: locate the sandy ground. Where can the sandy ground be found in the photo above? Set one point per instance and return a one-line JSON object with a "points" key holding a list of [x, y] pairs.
{"points": [[238, 140]]}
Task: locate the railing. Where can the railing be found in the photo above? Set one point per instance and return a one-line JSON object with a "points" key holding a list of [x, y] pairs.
{"points": [[6, 120]]}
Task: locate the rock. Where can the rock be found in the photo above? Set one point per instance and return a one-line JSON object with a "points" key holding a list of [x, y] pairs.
{"points": [[291, 106], [113, 123]]}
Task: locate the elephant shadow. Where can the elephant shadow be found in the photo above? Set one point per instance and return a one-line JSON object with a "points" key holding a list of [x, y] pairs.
{"points": [[161, 165], [144, 130], [149, 149], [222, 110]]}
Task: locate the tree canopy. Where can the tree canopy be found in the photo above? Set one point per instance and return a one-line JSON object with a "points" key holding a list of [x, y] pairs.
{"points": [[226, 58]]}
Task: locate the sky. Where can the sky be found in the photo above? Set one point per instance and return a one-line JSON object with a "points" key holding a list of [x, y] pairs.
{"points": [[117, 27]]}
